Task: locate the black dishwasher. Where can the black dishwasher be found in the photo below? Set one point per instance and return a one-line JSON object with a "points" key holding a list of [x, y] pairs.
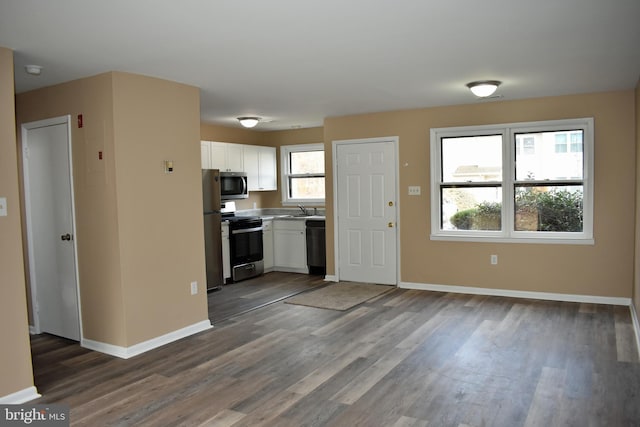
{"points": [[316, 246]]}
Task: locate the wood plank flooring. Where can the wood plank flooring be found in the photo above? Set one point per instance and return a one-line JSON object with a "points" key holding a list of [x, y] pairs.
{"points": [[406, 358], [247, 295]]}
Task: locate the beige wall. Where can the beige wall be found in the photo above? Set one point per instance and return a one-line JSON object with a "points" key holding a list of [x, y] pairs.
{"points": [[134, 222], [160, 224], [15, 357], [95, 194], [604, 269], [211, 132]]}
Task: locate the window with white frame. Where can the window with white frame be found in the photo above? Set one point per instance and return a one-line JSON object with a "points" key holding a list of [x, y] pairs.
{"points": [[302, 174], [513, 182]]}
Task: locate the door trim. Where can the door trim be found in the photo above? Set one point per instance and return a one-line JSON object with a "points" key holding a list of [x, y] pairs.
{"points": [[336, 245], [25, 128]]}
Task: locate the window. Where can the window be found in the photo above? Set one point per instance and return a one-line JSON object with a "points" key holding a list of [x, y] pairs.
{"points": [[530, 182], [302, 174]]}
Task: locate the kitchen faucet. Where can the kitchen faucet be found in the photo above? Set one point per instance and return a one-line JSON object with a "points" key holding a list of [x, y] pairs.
{"points": [[303, 209]]}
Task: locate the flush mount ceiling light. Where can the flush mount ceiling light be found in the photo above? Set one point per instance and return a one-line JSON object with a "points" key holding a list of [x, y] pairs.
{"points": [[34, 70], [248, 122], [484, 88]]}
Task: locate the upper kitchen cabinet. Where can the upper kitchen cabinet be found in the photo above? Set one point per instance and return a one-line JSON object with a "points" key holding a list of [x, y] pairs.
{"points": [[205, 154], [222, 156], [260, 166]]}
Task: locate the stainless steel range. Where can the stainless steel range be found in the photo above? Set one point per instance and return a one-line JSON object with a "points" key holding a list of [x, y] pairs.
{"points": [[245, 247]]}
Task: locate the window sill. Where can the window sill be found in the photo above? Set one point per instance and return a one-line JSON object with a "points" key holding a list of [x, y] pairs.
{"points": [[526, 240]]}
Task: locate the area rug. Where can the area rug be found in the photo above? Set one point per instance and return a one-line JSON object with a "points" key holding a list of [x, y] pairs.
{"points": [[339, 296]]}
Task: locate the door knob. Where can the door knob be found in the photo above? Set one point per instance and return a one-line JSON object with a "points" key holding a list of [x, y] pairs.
{"points": [[390, 225], [66, 236]]}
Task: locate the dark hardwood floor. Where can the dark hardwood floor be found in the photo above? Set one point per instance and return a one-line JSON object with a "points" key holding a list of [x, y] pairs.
{"points": [[406, 358], [247, 295]]}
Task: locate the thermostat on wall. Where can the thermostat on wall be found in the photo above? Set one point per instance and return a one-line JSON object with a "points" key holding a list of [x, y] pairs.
{"points": [[168, 166]]}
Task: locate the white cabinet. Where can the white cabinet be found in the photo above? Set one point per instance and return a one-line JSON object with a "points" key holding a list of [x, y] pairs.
{"points": [[260, 166], [289, 246], [221, 155], [205, 154], [267, 245], [226, 254], [258, 162]]}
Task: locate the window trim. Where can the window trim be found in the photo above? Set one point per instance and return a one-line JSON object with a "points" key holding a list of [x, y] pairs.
{"points": [[508, 132], [285, 150]]}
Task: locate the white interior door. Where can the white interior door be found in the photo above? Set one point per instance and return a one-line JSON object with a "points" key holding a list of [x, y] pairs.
{"points": [[50, 227], [366, 211]]}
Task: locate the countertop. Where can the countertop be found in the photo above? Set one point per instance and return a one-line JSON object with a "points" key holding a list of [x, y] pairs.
{"points": [[289, 214], [292, 217]]}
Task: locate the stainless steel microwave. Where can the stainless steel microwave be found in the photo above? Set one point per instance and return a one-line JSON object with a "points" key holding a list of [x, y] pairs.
{"points": [[233, 185]]}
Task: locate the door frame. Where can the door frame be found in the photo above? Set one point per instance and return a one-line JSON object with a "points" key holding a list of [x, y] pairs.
{"points": [[336, 231], [25, 128]]}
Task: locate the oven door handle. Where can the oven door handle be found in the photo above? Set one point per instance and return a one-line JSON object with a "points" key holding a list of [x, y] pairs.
{"points": [[246, 230]]}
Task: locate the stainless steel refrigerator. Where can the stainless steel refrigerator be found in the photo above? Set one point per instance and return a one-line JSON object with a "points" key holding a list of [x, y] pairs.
{"points": [[212, 230]]}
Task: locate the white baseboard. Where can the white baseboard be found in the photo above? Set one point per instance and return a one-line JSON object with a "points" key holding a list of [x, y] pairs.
{"points": [[517, 294], [22, 396], [33, 330], [143, 347], [330, 278], [636, 325]]}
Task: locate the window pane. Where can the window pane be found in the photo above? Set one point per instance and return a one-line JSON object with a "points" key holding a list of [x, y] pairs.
{"points": [[306, 188], [576, 142], [550, 159], [472, 159], [471, 208], [307, 162], [558, 208]]}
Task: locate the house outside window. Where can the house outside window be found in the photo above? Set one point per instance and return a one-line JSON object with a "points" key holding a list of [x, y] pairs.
{"points": [[303, 176], [521, 182]]}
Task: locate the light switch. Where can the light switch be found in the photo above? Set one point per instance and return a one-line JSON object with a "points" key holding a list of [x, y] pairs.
{"points": [[414, 190], [3, 206]]}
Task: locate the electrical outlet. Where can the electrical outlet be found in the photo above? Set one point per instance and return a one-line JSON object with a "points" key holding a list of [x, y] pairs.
{"points": [[414, 190], [194, 288], [494, 259], [3, 206]]}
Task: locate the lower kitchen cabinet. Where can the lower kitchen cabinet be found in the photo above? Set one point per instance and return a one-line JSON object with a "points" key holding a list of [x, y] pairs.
{"points": [[267, 245], [289, 246]]}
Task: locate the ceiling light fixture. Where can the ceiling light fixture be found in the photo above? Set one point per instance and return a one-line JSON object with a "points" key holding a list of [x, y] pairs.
{"points": [[484, 88], [34, 70], [248, 122]]}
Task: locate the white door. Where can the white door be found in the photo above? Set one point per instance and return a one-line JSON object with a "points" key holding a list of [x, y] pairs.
{"points": [[50, 227], [366, 209]]}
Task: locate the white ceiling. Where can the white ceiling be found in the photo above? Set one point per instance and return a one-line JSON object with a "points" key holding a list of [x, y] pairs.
{"points": [[295, 62]]}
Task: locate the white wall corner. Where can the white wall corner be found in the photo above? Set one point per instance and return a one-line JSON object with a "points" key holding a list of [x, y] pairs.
{"points": [[636, 325], [22, 396], [143, 347]]}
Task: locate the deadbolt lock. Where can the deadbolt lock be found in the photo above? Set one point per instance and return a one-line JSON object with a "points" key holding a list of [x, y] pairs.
{"points": [[390, 203]]}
